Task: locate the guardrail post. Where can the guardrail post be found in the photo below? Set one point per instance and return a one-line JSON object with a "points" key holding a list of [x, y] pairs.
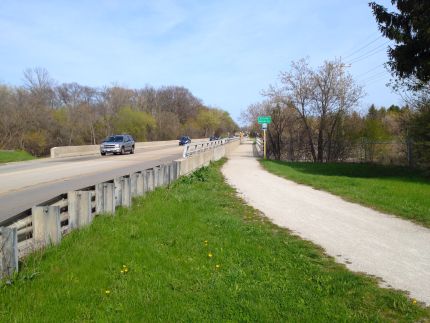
{"points": [[118, 193], [166, 174], [149, 174], [177, 169], [155, 172], [172, 172], [140, 184], [133, 184], [79, 207], [105, 198], [100, 198], [8, 251], [161, 175], [46, 225], [126, 191]]}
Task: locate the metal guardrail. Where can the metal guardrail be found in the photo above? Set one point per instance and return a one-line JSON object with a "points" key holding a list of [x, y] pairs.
{"points": [[48, 222], [191, 149]]}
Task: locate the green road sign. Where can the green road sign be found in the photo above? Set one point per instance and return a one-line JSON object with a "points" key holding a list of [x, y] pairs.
{"points": [[264, 119]]}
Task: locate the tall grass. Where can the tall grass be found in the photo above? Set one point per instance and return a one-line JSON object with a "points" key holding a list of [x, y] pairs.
{"points": [[193, 252]]}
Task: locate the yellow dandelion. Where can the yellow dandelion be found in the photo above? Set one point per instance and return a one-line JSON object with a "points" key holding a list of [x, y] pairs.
{"points": [[414, 301], [122, 271], [107, 292], [126, 270], [206, 241], [217, 266], [210, 255], [124, 266]]}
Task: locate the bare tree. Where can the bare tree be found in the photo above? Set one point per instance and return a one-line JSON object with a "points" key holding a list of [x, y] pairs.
{"points": [[321, 98], [38, 82]]}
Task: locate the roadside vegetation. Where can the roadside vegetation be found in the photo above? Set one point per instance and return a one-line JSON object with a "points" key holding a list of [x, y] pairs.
{"points": [[315, 110], [7, 156], [193, 252], [42, 114], [397, 190]]}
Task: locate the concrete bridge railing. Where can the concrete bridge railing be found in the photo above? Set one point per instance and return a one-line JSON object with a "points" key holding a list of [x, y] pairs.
{"points": [[47, 223], [87, 150]]}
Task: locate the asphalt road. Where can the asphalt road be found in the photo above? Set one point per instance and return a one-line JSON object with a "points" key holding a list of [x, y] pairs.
{"points": [[26, 184]]}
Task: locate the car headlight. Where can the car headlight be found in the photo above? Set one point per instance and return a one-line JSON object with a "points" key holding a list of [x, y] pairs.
{"points": [[116, 145]]}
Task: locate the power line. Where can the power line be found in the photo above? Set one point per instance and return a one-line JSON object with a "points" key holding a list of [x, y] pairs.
{"points": [[371, 77], [372, 52], [375, 80], [371, 70], [363, 47]]}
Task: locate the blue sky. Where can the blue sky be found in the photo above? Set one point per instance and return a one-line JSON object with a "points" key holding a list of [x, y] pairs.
{"points": [[224, 51]]}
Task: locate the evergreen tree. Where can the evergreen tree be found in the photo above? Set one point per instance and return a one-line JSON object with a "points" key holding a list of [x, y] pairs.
{"points": [[409, 28]]}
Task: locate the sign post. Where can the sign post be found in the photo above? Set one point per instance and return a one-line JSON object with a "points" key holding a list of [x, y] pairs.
{"points": [[264, 121]]}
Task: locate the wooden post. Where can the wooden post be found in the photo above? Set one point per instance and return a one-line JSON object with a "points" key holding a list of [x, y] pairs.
{"points": [[46, 225], [8, 251]]}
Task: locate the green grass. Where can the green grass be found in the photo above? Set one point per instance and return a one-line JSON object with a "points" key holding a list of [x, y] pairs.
{"points": [[7, 156], [265, 274], [396, 190]]}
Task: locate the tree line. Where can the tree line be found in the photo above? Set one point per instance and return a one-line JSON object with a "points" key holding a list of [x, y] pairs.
{"points": [[315, 118], [314, 110], [42, 114]]}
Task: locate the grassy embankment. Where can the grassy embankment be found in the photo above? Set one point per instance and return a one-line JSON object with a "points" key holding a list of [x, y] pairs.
{"points": [[7, 156], [193, 252], [396, 190]]}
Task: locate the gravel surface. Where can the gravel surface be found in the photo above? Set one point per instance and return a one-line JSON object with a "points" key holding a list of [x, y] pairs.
{"points": [[395, 250]]}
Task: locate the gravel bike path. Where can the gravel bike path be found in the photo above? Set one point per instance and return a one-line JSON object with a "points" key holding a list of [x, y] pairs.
{"points": [[365, 240]]}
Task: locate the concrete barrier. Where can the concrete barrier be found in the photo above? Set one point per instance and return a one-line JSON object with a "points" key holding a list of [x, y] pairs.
{"points": [[87, 150], [190, 164], [47, 224]]}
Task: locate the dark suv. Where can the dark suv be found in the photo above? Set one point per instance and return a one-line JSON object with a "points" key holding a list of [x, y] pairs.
{"points": [[117, 144], [185, 140]]}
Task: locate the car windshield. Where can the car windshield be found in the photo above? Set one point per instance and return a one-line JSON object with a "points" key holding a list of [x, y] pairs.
{"points": [[184, 138], [115, 139]]}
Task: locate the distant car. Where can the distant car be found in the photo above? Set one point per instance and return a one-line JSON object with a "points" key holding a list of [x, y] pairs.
{"points": [[213, 138], [117, 144], [185, 140]]}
